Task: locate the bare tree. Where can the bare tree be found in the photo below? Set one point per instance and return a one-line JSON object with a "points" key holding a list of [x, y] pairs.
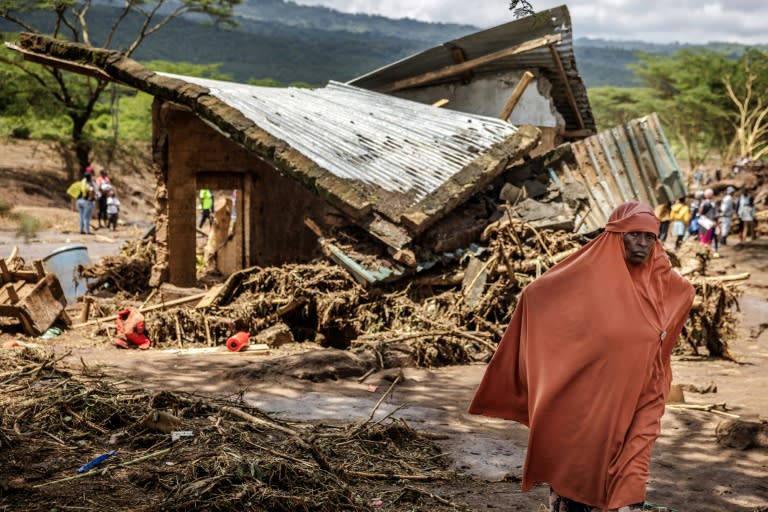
{"points": [[750, 137], [78, 95], [521, 8]]}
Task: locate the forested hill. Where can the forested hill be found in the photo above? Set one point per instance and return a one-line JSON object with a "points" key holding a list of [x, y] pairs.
{"points": [[604, 63], [316, 17], [290, 43]]}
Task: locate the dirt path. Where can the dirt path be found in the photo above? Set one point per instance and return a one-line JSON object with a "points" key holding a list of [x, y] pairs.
{"points": [[690, 470]]}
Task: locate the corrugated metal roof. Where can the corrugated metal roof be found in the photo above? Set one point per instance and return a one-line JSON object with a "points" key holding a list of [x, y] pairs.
{"points": [[398, 145], [550, 22], [392, 165]]}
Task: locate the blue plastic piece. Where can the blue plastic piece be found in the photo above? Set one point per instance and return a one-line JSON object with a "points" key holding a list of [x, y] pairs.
{"points": [[95, 462]]}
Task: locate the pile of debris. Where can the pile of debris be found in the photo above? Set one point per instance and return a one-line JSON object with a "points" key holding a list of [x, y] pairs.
{"points": [[173, 451], [455, 313], [128, 272]]}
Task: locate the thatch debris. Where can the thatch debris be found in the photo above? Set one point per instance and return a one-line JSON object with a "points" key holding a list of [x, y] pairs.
{"points": [[712, 321]]}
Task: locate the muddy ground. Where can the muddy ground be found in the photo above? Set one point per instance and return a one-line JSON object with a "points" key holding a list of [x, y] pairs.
{"points": [[690, 470]]}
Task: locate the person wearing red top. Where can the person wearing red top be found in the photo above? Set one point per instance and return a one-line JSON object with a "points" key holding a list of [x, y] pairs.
{"points": [[103, 186]]}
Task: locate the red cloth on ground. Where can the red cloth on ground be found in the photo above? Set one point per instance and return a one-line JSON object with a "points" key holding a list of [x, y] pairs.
{"points": [[130, 328], [585, 364]]}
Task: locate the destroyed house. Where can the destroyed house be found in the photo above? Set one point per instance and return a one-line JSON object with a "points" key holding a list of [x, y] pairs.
{"points": [[405, 183], [523, 71]]}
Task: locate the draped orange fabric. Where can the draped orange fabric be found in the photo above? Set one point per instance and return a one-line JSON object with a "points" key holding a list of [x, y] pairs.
{"points": [[585, 364]]}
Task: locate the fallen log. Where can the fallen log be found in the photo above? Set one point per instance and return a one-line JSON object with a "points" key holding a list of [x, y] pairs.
{"points": [[727, 278], [713, 408], [171, 303]]}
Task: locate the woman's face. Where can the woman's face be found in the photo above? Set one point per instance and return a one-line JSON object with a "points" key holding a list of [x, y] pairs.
{"points": [[638, 246]]}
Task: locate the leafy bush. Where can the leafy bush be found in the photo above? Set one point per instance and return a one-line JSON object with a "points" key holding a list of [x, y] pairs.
{"points": [[20, 132], [28, 226]]}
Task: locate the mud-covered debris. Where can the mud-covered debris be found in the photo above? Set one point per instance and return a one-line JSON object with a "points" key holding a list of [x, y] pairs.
{"points": [[740, 434], [54, 418]]}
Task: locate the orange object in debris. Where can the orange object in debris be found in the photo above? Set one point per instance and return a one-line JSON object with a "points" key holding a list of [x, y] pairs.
{"points": [[238, 342]]}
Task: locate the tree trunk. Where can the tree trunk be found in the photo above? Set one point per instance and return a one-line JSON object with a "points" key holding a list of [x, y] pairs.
{"points": [[82, 146]]}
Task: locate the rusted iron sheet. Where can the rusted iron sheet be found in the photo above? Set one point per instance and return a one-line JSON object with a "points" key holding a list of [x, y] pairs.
{"points": [[631, 162]]}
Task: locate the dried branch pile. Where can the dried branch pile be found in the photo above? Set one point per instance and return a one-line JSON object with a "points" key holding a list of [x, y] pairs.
{"points": [[454, 314], [226, 455], [119, 273]]}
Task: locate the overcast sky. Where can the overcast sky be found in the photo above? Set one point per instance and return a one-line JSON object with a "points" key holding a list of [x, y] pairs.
{"points": [[661, 21]]}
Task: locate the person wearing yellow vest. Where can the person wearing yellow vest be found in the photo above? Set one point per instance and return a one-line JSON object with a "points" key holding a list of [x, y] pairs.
{"points": [[206, 203]]}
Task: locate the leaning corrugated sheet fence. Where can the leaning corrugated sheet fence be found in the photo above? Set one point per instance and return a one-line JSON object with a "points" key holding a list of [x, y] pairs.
{"points": [[632, 161]]}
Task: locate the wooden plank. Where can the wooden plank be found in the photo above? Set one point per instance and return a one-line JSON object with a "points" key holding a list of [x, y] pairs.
{"points": [[577, 134], [514, 98], [210, 296], [4, 272], [75, 67], [42, 305], [458, 69], [39, 269], [250, 349], [10, 290], [29, 276]]}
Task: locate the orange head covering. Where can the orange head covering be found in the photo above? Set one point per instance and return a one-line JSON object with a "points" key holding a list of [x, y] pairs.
{"points": [[585, 364]]}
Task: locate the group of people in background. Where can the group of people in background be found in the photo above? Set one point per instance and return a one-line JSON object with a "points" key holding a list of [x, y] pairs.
{"points": [[706, 219], [95, 193]]}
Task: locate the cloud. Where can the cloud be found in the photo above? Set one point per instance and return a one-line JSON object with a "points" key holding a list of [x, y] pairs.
{"points": [[685, 21]]}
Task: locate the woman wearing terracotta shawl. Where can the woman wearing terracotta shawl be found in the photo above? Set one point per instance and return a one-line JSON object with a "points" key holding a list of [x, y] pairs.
{"points": [[585, 364]]}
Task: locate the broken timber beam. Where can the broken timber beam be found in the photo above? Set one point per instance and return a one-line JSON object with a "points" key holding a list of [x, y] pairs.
{"points": [[517, 93], [170, 303], [458, 69], [567, 85], [726, 278]]}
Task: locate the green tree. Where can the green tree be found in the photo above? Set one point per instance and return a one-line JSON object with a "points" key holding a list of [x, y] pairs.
{"points": [[691, 98], [613, 106], [135, 107], [79, 96]]}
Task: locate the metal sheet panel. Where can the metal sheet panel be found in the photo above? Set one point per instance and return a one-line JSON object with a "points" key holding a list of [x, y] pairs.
{"points": [[550, 22], [398, 145], [632, 162]]}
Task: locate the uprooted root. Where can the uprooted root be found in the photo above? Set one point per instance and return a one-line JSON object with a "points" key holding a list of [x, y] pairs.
{"points": [[713, 318]]}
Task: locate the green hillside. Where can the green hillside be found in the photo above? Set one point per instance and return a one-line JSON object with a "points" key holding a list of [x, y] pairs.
{"points": [[322, 18], [604, 63], [291, 43]]}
